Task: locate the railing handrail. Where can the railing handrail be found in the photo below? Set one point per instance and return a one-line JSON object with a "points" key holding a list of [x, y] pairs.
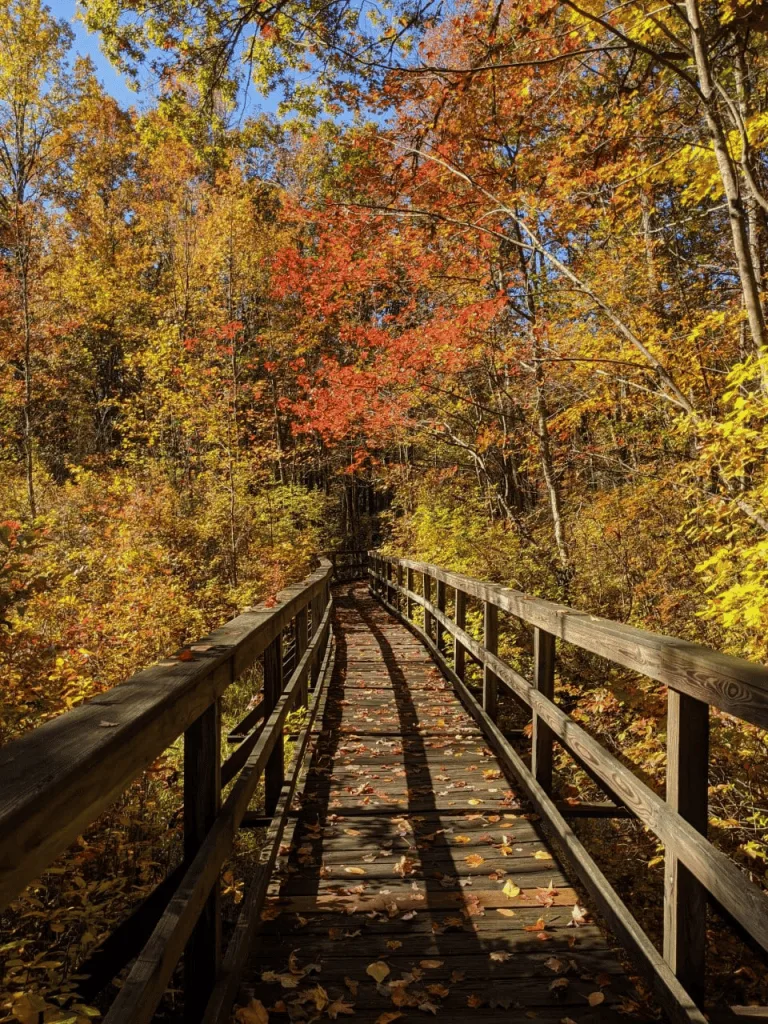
{"points": [[59, 777], [734, 685], [696, 678]]}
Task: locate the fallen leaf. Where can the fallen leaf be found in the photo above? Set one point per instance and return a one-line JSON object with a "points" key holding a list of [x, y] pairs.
{"points": [[352, 985], [254, 1013], [501, 956], [506, 912], [474, 860], [511, 890], [595, 998], [378, 970], [339, 1006], [394, 944], [430, 965], [355, 871], [542, 855], [462, 839], [387, 1018], [538, 927]]}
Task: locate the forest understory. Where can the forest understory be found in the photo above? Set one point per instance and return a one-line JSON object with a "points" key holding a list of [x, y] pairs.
{"points": [[486, 288]]}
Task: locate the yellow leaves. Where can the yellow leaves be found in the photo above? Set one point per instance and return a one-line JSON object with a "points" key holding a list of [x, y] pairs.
{"points": [[462, 839], [377, 970], [474, 860], [254, 1013], [542, 855], [511, 889]]}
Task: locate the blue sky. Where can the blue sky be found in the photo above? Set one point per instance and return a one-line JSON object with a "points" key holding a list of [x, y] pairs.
{"points": [[87, 45]]}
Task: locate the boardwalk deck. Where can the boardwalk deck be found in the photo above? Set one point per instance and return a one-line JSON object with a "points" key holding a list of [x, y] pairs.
{"points": [[389, 899]]}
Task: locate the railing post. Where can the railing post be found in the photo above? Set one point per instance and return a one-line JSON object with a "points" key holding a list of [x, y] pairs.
{"points": [[491, 643], [301, 646], [685, 904], [274, 773], [202, 800], [544, 681], [409, 599], [427, 588], [439, 631], [399, 585], [460, 618]]}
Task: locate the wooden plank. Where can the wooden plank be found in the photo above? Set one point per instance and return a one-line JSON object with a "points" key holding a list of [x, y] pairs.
{"points": [[666, 987], [58, 778], [731, 684], [439, 631], [544, 681], [274, 774], [447, 900], [685, 899], [460, 617], [747, 904], [202, 800], [238, 948], [491, 645], [426, 582], [140, 994], [301, 646]]}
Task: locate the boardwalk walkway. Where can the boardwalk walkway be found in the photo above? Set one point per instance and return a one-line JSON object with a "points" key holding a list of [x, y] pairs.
{"points": [[414, 881]]}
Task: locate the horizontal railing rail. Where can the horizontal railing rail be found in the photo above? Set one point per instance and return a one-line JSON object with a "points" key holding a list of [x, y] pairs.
{"points": [[57, 779], [696, 677]]}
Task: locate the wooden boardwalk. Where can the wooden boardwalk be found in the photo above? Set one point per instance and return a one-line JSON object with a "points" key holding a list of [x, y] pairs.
{"points": [[413, 880]]}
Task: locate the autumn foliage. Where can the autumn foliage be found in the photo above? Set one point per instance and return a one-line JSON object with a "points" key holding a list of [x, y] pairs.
{"points": [[504, 312]]}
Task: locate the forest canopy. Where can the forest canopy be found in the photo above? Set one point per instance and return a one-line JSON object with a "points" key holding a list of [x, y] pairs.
{"points": [[488, 289]]}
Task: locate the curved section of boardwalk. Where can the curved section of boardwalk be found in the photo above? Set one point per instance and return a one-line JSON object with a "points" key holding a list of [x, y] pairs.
{"points": [[414, 881]]}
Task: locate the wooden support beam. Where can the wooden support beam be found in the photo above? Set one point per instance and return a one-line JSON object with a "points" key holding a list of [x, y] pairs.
{"points": [[301, 646], [544, 681], [202, 801], [685, 899], [409, 601], [274, 774], [427, 587], [491, 644], [440, 639], [460, 618]]}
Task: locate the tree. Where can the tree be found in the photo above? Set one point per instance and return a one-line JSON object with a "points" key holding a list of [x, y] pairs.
{"points": [[36, 95]]}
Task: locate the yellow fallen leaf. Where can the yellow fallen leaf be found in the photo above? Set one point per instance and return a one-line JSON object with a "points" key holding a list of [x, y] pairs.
{"points": [[506, 912], [542, 855], [254, 1013], [378, 970], [430, 965], [462, 839], [355, 871], [511, 890], [595, 998], [474, 860]]}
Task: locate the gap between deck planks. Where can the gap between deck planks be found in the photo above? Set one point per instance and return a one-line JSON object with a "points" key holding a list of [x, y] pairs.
{"points": [[406, 835]]}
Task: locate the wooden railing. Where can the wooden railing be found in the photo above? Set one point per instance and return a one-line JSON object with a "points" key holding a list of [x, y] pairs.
{"points": [[57, 779], [697, 679], [348, 565]]}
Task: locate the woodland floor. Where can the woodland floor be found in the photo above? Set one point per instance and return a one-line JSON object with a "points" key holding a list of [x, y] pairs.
{"points": [[390, 900]]}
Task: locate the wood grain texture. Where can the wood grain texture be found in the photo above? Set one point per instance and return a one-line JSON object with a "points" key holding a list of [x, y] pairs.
{"points": [[153, 969], [731, 684], [742, 899], [57, 779], [413, 874], [675, 1000]]}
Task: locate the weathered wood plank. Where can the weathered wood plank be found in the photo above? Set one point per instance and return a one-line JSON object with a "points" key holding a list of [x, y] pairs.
{"points": [[57, 779], [744, 901], [731, 684], [685, 899]]}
